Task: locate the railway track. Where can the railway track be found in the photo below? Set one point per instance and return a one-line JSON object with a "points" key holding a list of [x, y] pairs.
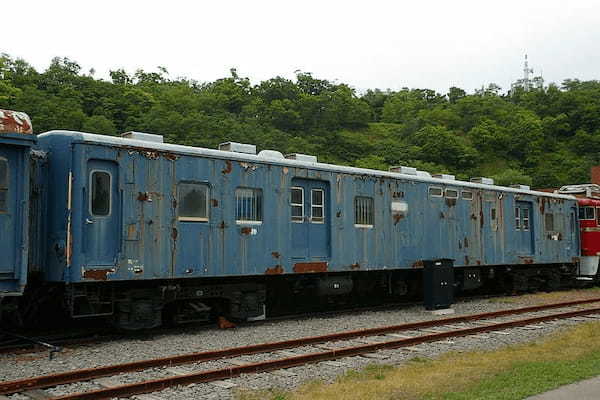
{"points": [[41, 342], [308, 350]]}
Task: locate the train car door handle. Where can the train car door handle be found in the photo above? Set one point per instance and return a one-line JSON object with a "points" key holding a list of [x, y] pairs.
{"points": [[89, 221]]}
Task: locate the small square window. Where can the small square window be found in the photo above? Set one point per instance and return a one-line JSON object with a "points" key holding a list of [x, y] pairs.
{"points": [[466, 195], [451, 194], [248, 205], [364, 214], [436, 192], [193, 202]]}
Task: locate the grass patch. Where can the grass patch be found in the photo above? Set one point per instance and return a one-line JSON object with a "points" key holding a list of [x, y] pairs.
{"points": [[513, 372]]}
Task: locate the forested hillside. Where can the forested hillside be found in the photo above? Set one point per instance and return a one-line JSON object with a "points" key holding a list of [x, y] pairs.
{"points": [[544, 137]]}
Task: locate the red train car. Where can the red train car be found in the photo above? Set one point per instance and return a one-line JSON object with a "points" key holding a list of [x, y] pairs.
{"points": [[588, 201]]}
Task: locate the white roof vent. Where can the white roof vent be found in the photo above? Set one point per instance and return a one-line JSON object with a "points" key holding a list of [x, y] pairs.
{"points": [[238, 147], [445, 176], [301, 157], [404, 170], [424, 174], [271, 154], [522, 187], [482, 180], [146, 137]]}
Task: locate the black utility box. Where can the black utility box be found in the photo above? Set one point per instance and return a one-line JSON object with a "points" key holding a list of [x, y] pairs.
{"points": [[438, 282]]}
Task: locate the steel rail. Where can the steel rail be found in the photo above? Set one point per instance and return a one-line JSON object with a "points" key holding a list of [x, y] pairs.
{"points": [[45, 381], [265, 366]]}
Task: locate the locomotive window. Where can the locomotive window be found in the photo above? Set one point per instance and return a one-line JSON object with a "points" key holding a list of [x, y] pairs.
{"points": [[297, 203], [3, 185], [435, 192], [549, 221], [493, 213], [248, 205], [518, 218], [364, 214], [100, 193], [451, 194], [526, 219], [588, 213], [467, 195], [192, 202], [317, 207]]}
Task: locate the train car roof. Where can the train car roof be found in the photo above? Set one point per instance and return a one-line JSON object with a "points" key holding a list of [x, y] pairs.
{"points": [[229, 155]]}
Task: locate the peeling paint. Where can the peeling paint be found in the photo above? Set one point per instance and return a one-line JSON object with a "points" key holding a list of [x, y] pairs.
{"points": [[228, 167]]}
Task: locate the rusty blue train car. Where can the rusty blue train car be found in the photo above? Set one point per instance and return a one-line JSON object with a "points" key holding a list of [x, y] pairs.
{"points": [[16, 141], [138, 230]]}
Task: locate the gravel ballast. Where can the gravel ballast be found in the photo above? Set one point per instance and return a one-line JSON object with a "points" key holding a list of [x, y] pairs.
{"points": [[130, 349]]}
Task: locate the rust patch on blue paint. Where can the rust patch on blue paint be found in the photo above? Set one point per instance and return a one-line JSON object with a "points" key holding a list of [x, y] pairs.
{"points": [[307, 267], [276, 270]]}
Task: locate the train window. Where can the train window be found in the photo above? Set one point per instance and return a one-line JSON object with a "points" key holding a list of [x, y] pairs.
{"points": [[317, 206], [297, 203], [100, 193], [364, 213], [518, 218], [590, 213], [525, 219], [3, 185], [549, 221], [598, 215], [435, 192], [399, 209], [248, 205], [192, 202], [466, 195], [493, 213], [451, 194]]}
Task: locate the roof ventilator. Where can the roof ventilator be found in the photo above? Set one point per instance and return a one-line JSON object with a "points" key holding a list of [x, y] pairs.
{"points": [[404, 170], [445, 176], [482, 180], [144, 137], [522, 187], [301, 157], [271, 154], [238, 147]]}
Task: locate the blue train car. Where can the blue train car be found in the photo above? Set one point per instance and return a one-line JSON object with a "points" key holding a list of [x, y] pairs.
{"points": [[138, 229], [16, 140]]}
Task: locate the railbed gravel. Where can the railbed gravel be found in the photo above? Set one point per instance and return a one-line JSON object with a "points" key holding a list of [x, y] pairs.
{"points": [[161, 345]]}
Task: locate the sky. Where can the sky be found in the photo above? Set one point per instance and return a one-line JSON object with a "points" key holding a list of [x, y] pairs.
{"points": [[367, 44]]}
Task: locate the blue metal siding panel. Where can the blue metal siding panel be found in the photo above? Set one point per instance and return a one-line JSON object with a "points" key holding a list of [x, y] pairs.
{"points": [[154, 240]]}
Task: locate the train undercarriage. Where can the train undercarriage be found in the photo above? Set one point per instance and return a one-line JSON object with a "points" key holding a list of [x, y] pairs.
{"points": [[147, 305]]}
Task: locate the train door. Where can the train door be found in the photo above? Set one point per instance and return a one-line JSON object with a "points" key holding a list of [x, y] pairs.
{"points": [[310, 220], [193, 229], [9, 213], [102, 215], [524, 227]]}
